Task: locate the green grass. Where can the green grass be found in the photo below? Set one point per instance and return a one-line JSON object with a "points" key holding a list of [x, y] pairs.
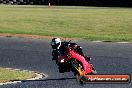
{"points": [[7, 75], [90, 23]]}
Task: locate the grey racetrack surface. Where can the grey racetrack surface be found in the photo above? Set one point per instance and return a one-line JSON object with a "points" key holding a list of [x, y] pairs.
{"points": [[35, 54]]}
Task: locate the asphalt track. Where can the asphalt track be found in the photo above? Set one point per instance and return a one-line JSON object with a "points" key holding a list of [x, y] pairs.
{"points": [[35, 54]]}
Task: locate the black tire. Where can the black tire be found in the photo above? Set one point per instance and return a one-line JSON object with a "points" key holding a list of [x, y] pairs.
{"points": [[82, 79], [79, 78], [61, 69]]}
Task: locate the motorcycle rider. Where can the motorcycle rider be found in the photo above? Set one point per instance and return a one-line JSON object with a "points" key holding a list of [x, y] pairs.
{"points": [[59, 48]]}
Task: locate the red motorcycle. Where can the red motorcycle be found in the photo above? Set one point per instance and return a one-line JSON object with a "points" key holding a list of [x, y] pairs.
{"points": [[72, 61]]}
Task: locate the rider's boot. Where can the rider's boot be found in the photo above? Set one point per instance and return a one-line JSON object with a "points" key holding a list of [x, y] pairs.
{"points": [[54, 55]]}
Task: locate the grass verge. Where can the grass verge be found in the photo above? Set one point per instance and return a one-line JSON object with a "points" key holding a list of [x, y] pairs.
{"points": [[90, 23], [7, 75]]}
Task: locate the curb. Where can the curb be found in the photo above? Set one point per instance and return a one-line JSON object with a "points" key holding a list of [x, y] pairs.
{"points": [[33, 36], [112, 42], [50, 37], [37, 76]]}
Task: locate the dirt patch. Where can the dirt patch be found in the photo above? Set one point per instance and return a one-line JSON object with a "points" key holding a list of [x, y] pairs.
{"points": [[34, 36]]}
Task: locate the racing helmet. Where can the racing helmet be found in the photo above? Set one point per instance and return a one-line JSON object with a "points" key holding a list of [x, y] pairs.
{"points": [[56, 43]]}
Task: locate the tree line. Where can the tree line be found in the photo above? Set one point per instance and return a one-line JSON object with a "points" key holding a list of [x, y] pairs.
{"points": [[110, 3]]}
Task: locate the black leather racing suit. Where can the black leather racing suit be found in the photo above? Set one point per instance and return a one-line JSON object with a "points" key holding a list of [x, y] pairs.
{"points": [[62, 49]]}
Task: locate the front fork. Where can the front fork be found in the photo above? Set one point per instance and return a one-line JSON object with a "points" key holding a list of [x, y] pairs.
{"points": [[80, 74], [77, 68]]}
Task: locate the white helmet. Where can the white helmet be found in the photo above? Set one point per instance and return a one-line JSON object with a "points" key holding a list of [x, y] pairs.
{"points": [[56, 43]]}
